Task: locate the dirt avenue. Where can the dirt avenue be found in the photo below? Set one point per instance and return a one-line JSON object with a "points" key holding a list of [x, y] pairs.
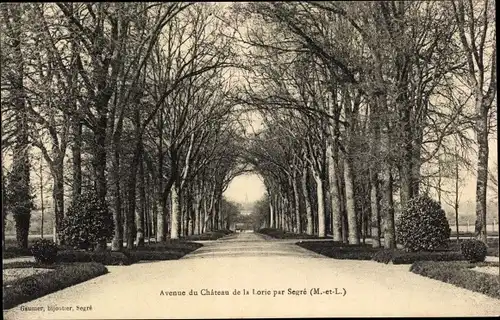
{"points": [[263, 277]]}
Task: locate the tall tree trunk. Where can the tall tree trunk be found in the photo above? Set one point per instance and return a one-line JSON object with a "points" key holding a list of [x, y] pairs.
{"points": [[117, 242], [197, 212], [271, 212], [388, 208], [350, 203], [100, 158], [298, 224], [321, 205], [342, 199], [76, 150], [307, 202], [140, 213], [457, 198], [4, 209], [19, 182], [375, 208], [482, 177], [176, 212], [58, 200], [334, 193], [131, 210]]}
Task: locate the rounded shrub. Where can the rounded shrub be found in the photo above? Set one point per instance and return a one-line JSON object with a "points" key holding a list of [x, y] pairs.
{"points": [[87, 223], [473, 250], [44, 251], [422, 225]]}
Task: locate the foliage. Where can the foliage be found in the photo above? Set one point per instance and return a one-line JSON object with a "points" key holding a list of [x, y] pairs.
{"points": [[339, 250], [87, 223], [460, 275], [63, 276], [211, 235], [19, 199], [171, 245], [403, 257], [172, 250], [44, 251], [474, 250], [104, 257], [423, 225], [27, 264], [280, 234], [13, 252]]}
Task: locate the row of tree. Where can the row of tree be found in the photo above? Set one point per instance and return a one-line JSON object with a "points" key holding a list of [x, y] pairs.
{"points": [[361, 101], [127, 99]]}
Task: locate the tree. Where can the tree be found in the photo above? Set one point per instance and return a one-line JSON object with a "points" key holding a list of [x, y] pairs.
{"points": [[477, 34]]}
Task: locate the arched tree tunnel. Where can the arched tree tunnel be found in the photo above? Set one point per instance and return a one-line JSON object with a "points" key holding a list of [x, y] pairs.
{"points": [[146, 106]]}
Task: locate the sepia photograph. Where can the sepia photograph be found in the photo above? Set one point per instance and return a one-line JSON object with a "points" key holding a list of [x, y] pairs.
{"points": [[230, 160]]}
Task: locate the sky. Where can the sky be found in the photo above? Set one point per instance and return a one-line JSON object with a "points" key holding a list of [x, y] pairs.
{"points": [[250, 187], [245, 188]]}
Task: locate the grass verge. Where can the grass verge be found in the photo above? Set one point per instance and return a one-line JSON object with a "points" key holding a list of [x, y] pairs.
{"points": [[459, 273], [280, 234], [211, 235], [170, 250], [339, 250], [403, 257], [107, 257], [35, 286]]}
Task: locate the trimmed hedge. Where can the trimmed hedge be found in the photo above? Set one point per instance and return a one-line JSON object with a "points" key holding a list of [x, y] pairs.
{"points": [[339, 250], [35, 286], [139, 255], [460, 275], [226, 231], [27, 264], [211, 235], [280, 234], [403, 257], [105, 257], [14, 252], [171, 250], [170, 245]]}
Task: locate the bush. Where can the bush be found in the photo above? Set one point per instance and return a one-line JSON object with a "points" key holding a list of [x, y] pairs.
{"points": [[88, 222], [401, 257], [14, 252], [474, 250], [44, 251], [35, 286], [422, 225], [108, 258], [280, 234], [171, 245], [460, 275], [153, 255], [27, 264], [339, 250], [225, 231], [211, 235]]}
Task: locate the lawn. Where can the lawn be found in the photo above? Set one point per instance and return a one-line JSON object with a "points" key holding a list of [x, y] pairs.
{"points": [[169, 250], [280, 234], [210, 235], [461, 274], [20, 288], [339, 250]]}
